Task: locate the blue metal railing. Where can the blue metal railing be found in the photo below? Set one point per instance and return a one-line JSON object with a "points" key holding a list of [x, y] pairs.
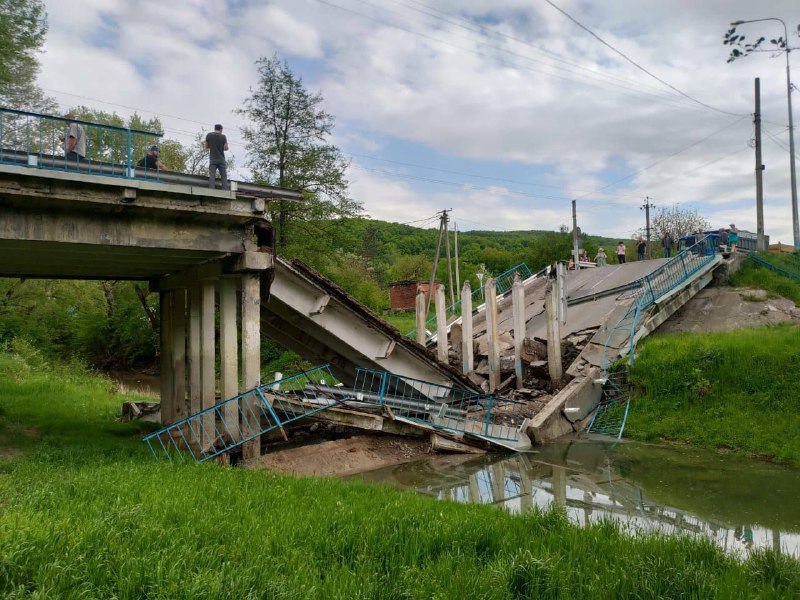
{"points": [[775, 268], [503, 283], [229, 424], [40, 141], [609, 416], [439, 406]]}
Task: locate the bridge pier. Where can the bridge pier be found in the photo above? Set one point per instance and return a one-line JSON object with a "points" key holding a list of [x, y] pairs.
{"points": [[190, 345]]}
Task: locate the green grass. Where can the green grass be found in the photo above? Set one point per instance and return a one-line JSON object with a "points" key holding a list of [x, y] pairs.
{"points": [[735, 390], [776, 285], [86, 513]]}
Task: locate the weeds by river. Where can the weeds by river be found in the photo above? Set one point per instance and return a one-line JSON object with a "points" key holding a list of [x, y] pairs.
{"points": [[86, 513]]}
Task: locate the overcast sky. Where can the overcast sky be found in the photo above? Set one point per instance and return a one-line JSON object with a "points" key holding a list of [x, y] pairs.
{"points": [[503, 110]]}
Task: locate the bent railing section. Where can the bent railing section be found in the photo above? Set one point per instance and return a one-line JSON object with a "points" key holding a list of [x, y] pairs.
{"points": [[446, 408], [609, 418], [233, 422]]}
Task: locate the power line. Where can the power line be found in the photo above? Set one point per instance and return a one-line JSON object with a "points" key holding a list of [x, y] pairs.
{"points": [[637, 65], [665, 100]]}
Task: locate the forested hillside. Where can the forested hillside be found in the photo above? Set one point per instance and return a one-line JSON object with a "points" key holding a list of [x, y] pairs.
{"points": [[114, 324]]}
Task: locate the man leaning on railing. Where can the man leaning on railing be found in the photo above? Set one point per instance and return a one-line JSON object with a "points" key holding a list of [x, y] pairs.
{"points": [[76, 140]]}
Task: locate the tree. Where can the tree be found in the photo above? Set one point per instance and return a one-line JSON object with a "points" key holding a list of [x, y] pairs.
{"points": [[740, 48], [288, 147], [23, 26], [675, 221]]}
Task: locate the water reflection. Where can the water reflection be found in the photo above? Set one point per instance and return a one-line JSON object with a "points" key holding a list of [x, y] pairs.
{"points": [[741, 504]]}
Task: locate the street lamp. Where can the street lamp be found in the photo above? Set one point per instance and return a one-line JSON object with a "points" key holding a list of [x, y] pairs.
{"points": [[793, 174], [480, 275]]}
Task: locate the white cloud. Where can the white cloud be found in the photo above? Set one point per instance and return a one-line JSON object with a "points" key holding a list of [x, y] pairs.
{"points": [[508, 82]]}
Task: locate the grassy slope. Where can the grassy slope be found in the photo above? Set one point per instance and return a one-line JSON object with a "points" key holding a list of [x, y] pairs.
{"points": [[734, 390], [754, 276], [87, 513]]}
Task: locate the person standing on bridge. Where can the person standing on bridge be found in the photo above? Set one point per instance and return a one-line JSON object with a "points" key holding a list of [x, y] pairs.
{"points": [[600, 259], [666, 244], [621, 253], [733, 238], [217, 144], [76, 140]]}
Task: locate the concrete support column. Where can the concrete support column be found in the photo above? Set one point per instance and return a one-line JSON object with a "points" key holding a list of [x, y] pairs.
{"points": [[421, 310], [179, 407], [195, 371], [554, 356], [498, 482], [167, 398], [467, 351], [441, 324], [195, 400], [518, 300], [229, 353], [251, 352], [208, 383], [492, 335]]}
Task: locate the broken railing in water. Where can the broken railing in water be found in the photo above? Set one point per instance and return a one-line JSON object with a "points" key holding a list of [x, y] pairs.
{"points": [[229, 424], [233, 422]]}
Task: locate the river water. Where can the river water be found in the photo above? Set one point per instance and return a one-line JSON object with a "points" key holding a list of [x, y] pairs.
{"points": [[741, 504]]}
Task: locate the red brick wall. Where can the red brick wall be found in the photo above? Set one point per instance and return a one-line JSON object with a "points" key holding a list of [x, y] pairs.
{"points": [[403, 294]]}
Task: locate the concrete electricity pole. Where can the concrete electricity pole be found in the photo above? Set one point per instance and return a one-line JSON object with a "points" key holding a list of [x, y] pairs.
{"points": [[781, 45], [646, 207], [760, 245], [575, 254]]}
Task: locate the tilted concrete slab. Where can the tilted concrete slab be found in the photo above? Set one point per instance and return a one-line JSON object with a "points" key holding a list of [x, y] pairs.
{"points": [[308, 313], [552, 422]]}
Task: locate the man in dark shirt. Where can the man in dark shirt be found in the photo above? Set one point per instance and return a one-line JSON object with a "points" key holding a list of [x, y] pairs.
{"points": [[217, 144], [150, 160]]}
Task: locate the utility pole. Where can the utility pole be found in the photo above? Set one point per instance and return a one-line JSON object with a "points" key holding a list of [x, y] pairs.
{"points": [[435, 262], [575, 254], [646, 207], [455, 244], [449, 263], [760, 245]]}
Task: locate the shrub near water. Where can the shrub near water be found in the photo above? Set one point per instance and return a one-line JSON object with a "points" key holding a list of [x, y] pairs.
{"points": [[733, 390], [89, 514]]}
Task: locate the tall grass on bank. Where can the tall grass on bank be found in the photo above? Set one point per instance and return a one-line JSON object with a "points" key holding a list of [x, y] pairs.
{"points": [[777, 285], [733, 390], [86, 513]]}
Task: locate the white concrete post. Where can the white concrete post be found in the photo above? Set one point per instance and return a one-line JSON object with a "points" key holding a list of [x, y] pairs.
{"points": [[553, 334], [490, 291], [167, 386], [179, 355], [421, 308], [229, 353], [251, 353], [208, 380], [467, 353], [441, 324], [195, 372], [518, 301]]}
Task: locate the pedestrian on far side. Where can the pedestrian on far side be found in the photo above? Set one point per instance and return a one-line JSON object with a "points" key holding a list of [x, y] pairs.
{"points": [[621, 253], [641, 246], [217, 144], [733, 238], [666, 244]]}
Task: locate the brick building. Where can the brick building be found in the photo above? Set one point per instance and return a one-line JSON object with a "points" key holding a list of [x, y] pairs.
{"points": [[403, 294]]}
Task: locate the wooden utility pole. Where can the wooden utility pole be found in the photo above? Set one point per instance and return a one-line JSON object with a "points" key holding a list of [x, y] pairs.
{"points": [[760, 245]]}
